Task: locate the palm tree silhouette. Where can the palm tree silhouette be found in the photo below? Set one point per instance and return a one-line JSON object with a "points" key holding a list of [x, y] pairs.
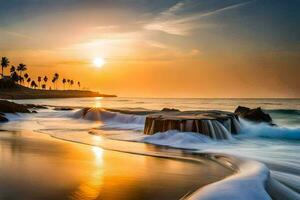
{"points": [[33, 84], [53, 81], [14, 77], [55, 78], [45, 80], [21, 68], [69, 82], [12, 69], [28, 81], [64, 82], [4, 64], [39, 80], [72, 82], [26, 75], [78, 83]]}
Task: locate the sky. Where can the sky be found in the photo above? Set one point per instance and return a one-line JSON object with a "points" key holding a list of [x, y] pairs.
{"points": [[159, 48]]}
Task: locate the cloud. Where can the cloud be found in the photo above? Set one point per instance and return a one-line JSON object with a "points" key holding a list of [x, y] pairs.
{"points": [[173, 21], [16, 34]]}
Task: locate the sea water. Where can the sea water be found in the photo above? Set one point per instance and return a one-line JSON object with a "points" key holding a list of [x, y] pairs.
{"points": [[276, 147]]}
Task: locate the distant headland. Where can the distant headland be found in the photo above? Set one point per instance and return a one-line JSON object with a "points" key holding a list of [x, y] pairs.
{"points": [[17, 85], [11, 90]]}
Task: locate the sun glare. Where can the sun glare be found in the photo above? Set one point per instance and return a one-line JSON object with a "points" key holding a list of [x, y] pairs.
{"points": [[99, 62]]}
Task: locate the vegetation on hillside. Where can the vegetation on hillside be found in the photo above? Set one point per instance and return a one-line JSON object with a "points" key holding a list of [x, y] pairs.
{"points": [[16, 74]]}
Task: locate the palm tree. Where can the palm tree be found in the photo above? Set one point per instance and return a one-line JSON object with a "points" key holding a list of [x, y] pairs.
{"points": [[45, 80], [33, 84], [4, 64], [55, 78], [21, 79], [68, 81], [26, 75], [64, 82], [72, 82], [14, 76], [12, 69], [21, 68], [39, 80], [78, 83], [44, 86], [28, 81], [53, 81]]}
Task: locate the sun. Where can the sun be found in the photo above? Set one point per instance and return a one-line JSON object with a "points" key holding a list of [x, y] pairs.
{"points": [[99, 62]]}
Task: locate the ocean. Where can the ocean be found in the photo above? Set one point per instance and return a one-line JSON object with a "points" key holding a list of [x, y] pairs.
{"points": [[275, 150]]}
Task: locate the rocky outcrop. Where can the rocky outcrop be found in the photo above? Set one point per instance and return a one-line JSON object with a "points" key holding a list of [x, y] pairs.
{"points": [[215, 124], [63, 108], [10, 107], [169, 110], [255, 115], [33, 106], [3, 118]]}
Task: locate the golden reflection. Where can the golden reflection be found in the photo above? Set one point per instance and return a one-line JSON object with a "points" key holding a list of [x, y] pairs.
{"points": [[90, 188], [98, 103], [98, 152]]}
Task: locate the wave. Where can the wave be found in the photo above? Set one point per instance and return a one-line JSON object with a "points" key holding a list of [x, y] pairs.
{"points": [[252, 181], [173, 138], [112, 120], [284, 111], [248, 183], [249, 129]]}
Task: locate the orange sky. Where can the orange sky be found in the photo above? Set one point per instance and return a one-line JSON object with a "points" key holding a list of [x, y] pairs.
{"points": [[174, 50]]}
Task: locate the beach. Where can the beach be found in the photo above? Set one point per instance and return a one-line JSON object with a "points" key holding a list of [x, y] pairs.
{"points": [[36, 166], [52, 153]]}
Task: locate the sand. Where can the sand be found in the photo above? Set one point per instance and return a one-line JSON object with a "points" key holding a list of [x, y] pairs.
{"points": [[36, 166]]}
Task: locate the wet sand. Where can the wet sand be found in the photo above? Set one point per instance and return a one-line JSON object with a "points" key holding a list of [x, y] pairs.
{"points": [[35, 166]]}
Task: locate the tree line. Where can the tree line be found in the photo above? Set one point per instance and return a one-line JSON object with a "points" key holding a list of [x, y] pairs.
{"points": [[16, 74]]}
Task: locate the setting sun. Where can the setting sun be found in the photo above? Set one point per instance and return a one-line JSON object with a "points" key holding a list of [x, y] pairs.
{"points": [[98, 62]]}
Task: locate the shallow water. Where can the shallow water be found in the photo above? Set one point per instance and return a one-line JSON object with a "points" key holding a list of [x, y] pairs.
{"points": [[277, 147], [37, 167]]}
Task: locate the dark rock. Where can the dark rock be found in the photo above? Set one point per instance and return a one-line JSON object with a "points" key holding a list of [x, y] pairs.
{"points": [[33, 106], [34, 111], [3, 118], [63, 108], [170, 110], [10, 107], [255, 115], [215, 124], [241, 110]]}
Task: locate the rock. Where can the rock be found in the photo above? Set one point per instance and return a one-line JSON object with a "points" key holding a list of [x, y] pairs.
{"points": [[215, 124], [241, 110], [3, 118], [169, 110], [33, 106], [10, 107], [255, 115], [63, 108]]}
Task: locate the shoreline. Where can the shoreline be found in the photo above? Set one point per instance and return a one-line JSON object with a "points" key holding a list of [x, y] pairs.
{"points": [[86, 171]]}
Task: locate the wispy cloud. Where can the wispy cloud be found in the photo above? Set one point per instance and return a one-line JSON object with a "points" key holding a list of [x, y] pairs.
{"points": [[16, 34], [172, 21]]}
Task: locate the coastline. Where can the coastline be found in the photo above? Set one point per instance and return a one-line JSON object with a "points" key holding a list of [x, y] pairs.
{"points": [[27, 93]]}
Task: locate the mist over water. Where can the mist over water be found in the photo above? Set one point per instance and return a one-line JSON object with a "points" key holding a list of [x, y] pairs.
{"points": [[277, 147]]}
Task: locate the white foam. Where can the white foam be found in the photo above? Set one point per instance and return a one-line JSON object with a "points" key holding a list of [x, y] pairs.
{"points": [[173, 138], [250, 129], [247, 184]]}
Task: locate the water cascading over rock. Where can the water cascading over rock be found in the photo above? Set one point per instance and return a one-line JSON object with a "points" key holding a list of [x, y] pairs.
{"points": [[215, 124]]}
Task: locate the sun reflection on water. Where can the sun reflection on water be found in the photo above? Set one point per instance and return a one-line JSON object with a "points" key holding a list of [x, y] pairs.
{"points": [[98, 102], [98, 152], [91, 187]]}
